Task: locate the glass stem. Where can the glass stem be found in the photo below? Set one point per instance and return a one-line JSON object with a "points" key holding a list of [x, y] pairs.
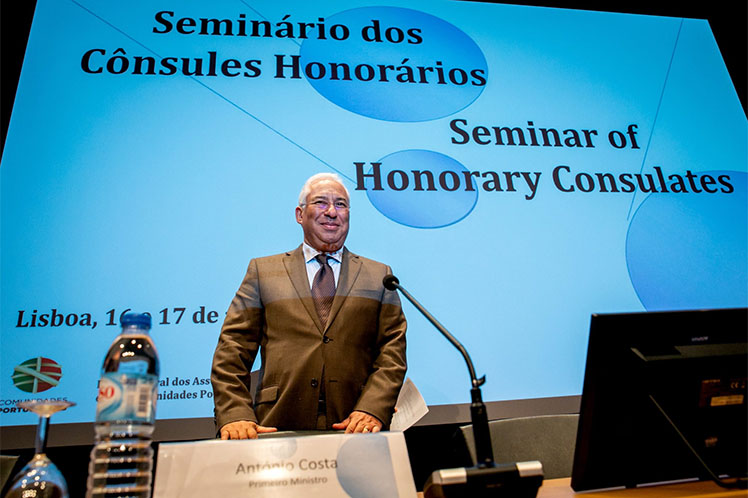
{"points": [[41, 434]]}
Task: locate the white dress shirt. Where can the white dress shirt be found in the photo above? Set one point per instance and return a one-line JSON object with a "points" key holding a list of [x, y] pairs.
{"points": [[313, 266]]}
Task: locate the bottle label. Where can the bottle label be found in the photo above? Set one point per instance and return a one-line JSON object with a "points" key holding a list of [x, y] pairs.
{"points": [[127, 396]]}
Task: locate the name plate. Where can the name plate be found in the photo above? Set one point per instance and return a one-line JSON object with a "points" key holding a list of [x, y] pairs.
{"points": [[357, 465]]}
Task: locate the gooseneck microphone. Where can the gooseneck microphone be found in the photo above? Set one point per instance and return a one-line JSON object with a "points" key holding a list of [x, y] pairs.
{"points": [[478, 414], [391, 282], [497, 480]]}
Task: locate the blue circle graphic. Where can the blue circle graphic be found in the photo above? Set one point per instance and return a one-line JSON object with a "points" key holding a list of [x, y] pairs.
{"points": [[395, 64], [421, 189], [356, 454], [690, 250]]}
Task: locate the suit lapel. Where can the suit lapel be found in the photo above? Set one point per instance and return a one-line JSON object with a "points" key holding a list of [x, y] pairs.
{"points": [[296, 269], [351, 266]]}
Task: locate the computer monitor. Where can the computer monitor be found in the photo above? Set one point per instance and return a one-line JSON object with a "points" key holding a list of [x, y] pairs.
{"points": [[693, 365]]}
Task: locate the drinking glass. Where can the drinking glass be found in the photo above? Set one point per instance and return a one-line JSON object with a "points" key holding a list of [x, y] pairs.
{"points": [[40, 478]]}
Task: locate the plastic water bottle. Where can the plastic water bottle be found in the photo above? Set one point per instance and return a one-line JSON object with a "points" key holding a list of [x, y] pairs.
{"points": [[122, 457]]}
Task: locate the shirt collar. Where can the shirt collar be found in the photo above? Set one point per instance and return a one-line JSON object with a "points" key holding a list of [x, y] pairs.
{"points": [[310, 253]]}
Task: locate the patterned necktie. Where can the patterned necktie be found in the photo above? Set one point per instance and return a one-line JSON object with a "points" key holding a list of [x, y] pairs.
{"points": [[323, 289]]}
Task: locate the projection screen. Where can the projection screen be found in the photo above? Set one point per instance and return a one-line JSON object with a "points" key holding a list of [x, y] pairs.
{"points": [[519, 168]]}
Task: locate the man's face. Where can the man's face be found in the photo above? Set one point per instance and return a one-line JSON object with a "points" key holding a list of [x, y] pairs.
{"points": [[324, 217]]}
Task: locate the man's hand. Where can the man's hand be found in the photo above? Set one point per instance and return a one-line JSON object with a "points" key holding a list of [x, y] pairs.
{"points": [[243, 429], [359, 422]]}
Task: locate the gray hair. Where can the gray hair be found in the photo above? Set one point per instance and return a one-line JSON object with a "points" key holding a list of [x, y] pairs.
{"points": [[318, 178]]}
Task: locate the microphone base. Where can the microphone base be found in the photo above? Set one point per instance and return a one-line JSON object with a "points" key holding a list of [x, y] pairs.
{"points": [[515, 480]]}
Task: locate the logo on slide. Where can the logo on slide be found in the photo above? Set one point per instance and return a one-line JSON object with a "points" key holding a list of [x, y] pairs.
{"points": [[36, 375]]}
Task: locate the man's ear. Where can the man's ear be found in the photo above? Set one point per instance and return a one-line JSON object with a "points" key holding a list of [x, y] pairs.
{"points": [[299, 214]]}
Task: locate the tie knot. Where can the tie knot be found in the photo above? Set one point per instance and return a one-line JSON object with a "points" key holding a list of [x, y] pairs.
{"points": [[322, 259]]}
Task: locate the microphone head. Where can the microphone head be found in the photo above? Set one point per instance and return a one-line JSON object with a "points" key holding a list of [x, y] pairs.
{"points": [[390, 282]]}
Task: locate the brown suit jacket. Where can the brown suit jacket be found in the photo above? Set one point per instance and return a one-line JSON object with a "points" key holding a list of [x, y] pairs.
{"points": [[362, 348]]}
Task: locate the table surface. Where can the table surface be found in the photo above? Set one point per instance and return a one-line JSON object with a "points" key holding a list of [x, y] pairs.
{"points": [[561, 488]]}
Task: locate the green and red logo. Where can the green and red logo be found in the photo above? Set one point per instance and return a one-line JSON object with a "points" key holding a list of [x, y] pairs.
{"points": [[36, 375]]}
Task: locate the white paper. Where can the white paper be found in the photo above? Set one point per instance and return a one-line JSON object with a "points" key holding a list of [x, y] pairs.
{"points": [[410, 407]]}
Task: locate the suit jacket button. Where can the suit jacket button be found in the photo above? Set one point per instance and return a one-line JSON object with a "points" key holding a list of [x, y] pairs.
{"points": [[326, 339], [315, 383]]}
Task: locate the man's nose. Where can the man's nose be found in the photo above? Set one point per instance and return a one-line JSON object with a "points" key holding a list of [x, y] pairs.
{"points": [[331, 211]]}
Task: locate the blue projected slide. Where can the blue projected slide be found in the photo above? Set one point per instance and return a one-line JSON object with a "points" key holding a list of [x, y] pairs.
{"points": [[519, 168]]}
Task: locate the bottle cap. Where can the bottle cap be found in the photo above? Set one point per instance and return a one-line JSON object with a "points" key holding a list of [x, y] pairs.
{"points": [[138, 319]]}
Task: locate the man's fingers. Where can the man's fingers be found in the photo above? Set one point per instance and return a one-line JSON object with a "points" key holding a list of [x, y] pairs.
{"points": [[362, 422], [359, 426], [359, 422], [354, 426], [243, 429], [342, 425]]}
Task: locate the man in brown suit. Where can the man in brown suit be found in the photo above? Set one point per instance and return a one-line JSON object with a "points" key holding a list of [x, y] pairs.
{"points": [[331, 338]]}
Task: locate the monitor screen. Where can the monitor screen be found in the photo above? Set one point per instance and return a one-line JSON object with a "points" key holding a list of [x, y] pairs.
{"points": [[643, 368]]}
